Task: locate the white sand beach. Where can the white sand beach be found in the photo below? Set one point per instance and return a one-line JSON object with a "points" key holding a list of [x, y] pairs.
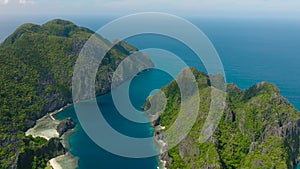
{"points": [[54, 164], [45, 127], [67, 161]]}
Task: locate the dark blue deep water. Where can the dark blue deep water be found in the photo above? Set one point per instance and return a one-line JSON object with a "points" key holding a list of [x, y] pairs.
{"points": [[251, 51]]}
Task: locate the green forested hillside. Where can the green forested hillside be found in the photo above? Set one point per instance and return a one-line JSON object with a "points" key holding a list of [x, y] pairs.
{"points": [[36, 68], [260, 129]]}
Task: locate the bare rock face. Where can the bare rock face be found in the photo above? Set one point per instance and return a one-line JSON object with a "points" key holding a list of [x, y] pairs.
{"points": [[64, 126]]}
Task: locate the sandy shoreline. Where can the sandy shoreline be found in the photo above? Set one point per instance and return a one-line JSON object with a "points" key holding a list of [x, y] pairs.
{"points": [[57, 111], [66, 161], [46, 128], [54, 164]]}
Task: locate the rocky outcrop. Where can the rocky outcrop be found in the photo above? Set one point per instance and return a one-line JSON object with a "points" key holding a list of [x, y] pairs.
{"points": [[65, 125]]}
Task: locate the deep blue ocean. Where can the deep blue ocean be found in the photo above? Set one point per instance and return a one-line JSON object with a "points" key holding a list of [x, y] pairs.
{"points": [[251, 50]]}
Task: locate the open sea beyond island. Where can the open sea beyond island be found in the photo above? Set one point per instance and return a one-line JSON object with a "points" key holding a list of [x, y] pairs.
{"points": [[251, 51]]}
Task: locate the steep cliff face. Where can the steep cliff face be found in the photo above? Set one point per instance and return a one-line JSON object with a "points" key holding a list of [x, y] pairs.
{"points": [[37, 63], [259, 129]]}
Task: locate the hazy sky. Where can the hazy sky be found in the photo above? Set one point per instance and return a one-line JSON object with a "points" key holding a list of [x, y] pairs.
{"points": [[240, 8]]}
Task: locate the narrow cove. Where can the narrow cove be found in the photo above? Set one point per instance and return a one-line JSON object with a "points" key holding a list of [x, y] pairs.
{"points": [[89, 154]]}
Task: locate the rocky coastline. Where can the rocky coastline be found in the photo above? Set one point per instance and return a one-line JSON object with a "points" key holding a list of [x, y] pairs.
{"points": [[57, 130]]}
